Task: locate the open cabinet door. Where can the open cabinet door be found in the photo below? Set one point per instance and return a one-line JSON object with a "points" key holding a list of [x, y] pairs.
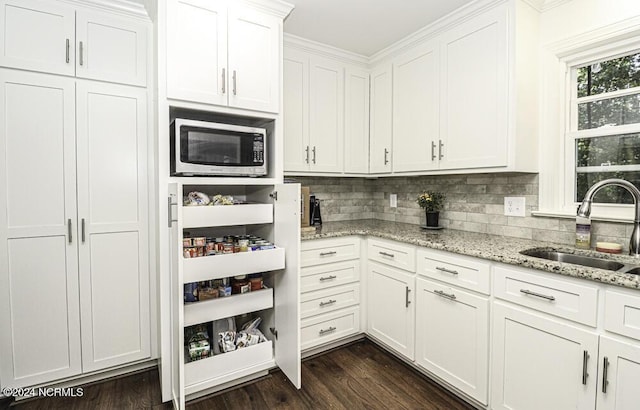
{"points": [[177, 312], [286, 211]]}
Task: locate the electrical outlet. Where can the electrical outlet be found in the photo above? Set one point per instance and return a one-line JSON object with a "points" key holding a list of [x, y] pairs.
{"points": [[393, 200], [514, 206]]}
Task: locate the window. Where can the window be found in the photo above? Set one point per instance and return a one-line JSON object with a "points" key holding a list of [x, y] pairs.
{"points": [[604, 127]]}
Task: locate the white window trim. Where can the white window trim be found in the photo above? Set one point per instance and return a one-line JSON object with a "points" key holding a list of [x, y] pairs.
{"points": [[557, 162]]}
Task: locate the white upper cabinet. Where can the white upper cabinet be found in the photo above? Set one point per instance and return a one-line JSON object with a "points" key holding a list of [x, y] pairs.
{"points": [[54, 38], [415, 109], [110, 48], [326, 117], [356, 121], [296, 110], [474, 94], [381, 130], [254, 65], [37, 35], [197, 51], [223, 53]]}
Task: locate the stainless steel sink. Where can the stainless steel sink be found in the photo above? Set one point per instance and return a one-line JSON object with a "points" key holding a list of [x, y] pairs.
{"points": [[589, 261]]}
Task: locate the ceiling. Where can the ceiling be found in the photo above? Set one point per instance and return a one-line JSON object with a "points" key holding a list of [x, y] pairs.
{"points": [[364, 26]]}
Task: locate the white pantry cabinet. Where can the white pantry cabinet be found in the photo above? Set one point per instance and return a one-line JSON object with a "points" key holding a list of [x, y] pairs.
{"points": [[390, 307], [527, 351], [416, 89], [381, 129], [58, 269], [224, 53], [277, 303], [53, 37]]}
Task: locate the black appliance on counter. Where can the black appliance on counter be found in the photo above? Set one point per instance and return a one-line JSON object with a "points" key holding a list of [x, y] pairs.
{"points": [[315, 219]]}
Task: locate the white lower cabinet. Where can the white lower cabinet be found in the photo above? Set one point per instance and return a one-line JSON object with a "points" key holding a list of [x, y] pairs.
{"points": [[618, 375], [390, 309], [541, 363], [452, 336]]}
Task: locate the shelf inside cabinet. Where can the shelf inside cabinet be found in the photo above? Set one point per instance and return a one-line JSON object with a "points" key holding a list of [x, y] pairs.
{"points": [[222, 266], [214, 370], [219, 308], [226, 215]]}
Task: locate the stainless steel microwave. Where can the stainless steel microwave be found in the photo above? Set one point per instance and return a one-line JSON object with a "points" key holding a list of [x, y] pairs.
{"points": [[217, 149]]}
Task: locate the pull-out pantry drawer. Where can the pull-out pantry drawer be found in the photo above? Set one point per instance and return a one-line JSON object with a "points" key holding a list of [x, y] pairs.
{"points": [[332, 274], [328, 300], [328, 327], [469, 273], [392, 253], [622, 313], [320, 251], [557, 297]]}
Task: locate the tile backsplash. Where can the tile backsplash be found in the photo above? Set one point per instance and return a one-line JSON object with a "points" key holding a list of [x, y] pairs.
{"points": [[474, 203]]}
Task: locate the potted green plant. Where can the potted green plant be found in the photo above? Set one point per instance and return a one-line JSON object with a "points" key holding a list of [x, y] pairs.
{"points": [[432, 202]]}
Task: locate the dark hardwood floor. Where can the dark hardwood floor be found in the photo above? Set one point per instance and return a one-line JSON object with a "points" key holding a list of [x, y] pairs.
{"points": [[357, 376]]}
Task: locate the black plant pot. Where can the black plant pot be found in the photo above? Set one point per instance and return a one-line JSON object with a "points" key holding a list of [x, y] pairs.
{"points": [[432, 218]]}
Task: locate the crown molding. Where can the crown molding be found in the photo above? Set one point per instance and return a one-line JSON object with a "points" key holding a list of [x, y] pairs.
{"points": [[123, 7], [278, 8], [552, 4], [303, 44]]}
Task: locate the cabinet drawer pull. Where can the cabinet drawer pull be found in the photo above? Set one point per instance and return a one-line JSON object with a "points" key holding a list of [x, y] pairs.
{"points": [[441, 269], [330, 302], [306, 160], [325, 331], [406, 297], [224, 82], [81, 53], [539, 295], [585, 358], [386, 153], [328, 253], [605, 370], [433, 151], [67, 52], [389, 255], [69, 230], [234, 83], [330, 277], [445, 295], [314, 154], [440, 149], [82, 230]]}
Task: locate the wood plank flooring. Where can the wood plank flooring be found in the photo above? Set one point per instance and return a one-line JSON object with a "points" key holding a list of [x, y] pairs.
{"points": [[357, 376]]}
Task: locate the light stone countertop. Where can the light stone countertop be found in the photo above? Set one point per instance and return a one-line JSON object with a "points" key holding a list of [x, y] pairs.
{"points": [[491, 247]]}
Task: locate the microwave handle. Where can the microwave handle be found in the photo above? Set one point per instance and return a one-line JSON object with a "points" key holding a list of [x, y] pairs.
{"points": [[224, 82]]}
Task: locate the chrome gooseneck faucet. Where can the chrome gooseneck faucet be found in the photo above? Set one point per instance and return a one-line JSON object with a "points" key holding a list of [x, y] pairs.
{"points": [[585, 208]]}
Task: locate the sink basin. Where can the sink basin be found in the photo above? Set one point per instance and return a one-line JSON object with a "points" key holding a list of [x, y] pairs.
{"points": [[634, 271], [577, 259]]}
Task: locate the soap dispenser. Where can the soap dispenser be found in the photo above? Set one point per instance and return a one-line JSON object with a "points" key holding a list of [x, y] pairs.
{"points": [[583, 232]]}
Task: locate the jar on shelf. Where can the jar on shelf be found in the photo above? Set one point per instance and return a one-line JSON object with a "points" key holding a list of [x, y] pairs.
{"points": [[256, 282], [240, 284]]}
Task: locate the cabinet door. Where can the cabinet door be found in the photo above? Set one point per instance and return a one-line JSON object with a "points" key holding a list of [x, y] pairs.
{"points": [[197, 51], [39, 317], [460, 353], [254, 59], [380, 120], [326, 118], [296, 111], [541, 363], [618, 375], [356, 121], [390, 314], [415, 109], [112, 213], [37, 35], [110, 48], [474, 117]]}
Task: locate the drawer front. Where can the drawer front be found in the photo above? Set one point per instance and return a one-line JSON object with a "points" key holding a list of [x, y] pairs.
{"points": [[554, 296], [320, 251], [329, 300], [326, 328], [622, 314], [329, 275], [392, 253], [468, 273]]}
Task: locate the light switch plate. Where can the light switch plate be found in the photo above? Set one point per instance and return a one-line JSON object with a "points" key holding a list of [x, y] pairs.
{"points": [[393, 200], [514, 206]]}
